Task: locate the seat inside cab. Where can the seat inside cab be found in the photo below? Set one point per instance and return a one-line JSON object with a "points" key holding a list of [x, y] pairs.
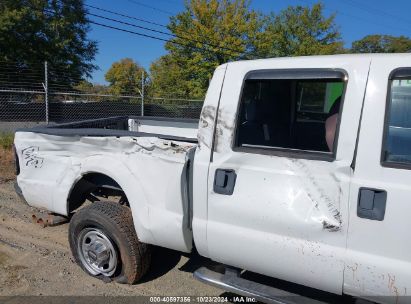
{"points": [[287, 113]]}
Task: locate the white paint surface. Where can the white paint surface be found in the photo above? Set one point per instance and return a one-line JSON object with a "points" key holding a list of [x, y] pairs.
{"points": [[285, 211], [378, 257], [149, 170], [164, 127]]}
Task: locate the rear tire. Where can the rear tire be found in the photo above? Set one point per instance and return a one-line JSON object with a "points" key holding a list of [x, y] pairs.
{"points": [[104, 243]]}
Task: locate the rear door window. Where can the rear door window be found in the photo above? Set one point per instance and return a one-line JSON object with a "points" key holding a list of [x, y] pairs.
{"points": [[290, 111], [397, 132]]}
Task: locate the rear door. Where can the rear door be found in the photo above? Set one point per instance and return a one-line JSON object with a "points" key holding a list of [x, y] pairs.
{"points": [[379, 258], [278, 198]]}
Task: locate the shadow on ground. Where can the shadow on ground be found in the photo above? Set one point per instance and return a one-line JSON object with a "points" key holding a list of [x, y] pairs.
{"points": [[164, 260]]}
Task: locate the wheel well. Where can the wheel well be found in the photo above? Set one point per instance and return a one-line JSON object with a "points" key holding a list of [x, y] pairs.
{"points": [[91, 186]]}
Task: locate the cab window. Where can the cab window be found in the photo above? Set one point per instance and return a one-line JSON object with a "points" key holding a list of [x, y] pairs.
{"points": [[290, 110], [397, 132]]}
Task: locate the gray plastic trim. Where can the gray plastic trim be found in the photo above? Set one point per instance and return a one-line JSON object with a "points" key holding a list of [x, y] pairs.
{"points": [[400, 73], [297, 74]]}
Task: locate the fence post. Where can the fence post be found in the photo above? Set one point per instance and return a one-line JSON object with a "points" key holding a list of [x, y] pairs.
{"points": [[142, 93], [46, 91]]}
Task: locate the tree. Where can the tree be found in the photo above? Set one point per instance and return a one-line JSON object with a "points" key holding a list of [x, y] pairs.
{"points": [[167, 78], [220, 31], [89, 91], [33, 31], [299, 31], [207, 34], [90, 88], [124, 77], [382, 44]]}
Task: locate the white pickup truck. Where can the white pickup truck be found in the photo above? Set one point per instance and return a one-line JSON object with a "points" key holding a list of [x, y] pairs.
{"points": [[298, 169]]}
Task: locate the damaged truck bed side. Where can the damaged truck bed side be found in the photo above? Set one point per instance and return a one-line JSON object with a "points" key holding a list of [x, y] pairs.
{"points": [[298, 169]]}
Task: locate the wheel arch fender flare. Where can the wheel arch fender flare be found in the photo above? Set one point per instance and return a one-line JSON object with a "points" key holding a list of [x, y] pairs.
{"points": [[129, 183]]}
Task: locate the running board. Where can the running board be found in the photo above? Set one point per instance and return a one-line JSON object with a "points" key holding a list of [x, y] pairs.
{"points": [[232, 282]]}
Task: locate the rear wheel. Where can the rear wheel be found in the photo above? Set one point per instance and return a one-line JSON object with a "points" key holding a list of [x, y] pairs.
{"points": [[104, 243]]}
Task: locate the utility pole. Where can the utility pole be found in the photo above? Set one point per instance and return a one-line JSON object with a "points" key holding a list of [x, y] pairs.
{"points": [[142, 93], [46, 91]]}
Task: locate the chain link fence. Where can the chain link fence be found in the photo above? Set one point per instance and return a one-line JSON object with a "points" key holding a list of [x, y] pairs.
{"points": [[28, 97]]}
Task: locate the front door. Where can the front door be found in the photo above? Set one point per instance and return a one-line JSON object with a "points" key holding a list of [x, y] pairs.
{"points": [[278, 190]]}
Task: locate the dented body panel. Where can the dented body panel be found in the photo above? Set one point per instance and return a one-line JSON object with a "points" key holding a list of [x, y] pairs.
{"points": [[291, 216], [148, 169], [285, 210]]}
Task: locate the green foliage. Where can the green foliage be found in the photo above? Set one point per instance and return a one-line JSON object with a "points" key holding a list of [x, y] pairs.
{"points": [[382, 44], [234, 32], [33, 31], [167, 78], [90, 91], [6, 140], [219, 31], [91, 88], [124, 77], [299, 31]]}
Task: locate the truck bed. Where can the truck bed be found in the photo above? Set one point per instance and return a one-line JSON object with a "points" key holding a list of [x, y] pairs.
{"points": [[151, 168], [119, 126]]}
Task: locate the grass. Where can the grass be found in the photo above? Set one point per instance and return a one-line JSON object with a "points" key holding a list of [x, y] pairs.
{"points": [[6, 140], [6, 157]]}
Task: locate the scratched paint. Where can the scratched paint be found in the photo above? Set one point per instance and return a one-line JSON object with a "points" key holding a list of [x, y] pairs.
{"points": [[324, 206], [206, 127], [160, 146], [324, 200], [150, 170], [224, 132]]}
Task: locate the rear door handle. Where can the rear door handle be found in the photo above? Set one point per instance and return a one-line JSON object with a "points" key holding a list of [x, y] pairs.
{"points": [[371, 204], [224, 181]]}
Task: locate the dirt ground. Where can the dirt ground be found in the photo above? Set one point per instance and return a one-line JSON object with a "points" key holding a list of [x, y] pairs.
{"points": [[6, 165], [37, 261]]}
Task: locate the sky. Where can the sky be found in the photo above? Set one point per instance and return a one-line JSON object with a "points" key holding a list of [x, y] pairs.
{"points": [[355, 19]]}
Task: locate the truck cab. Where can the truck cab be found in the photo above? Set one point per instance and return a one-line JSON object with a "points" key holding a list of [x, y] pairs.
{"points": [[279, 201]]}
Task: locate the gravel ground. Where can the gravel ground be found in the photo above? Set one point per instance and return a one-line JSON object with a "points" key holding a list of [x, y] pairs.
{"points": [[37, 261]]}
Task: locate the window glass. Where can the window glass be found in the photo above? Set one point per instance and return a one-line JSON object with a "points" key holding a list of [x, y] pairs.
{"points": [[289, 113], [316, 96], [398, 127]]}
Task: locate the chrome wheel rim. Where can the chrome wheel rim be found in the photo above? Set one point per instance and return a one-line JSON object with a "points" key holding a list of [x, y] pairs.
{"points": [[97, 252]]}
